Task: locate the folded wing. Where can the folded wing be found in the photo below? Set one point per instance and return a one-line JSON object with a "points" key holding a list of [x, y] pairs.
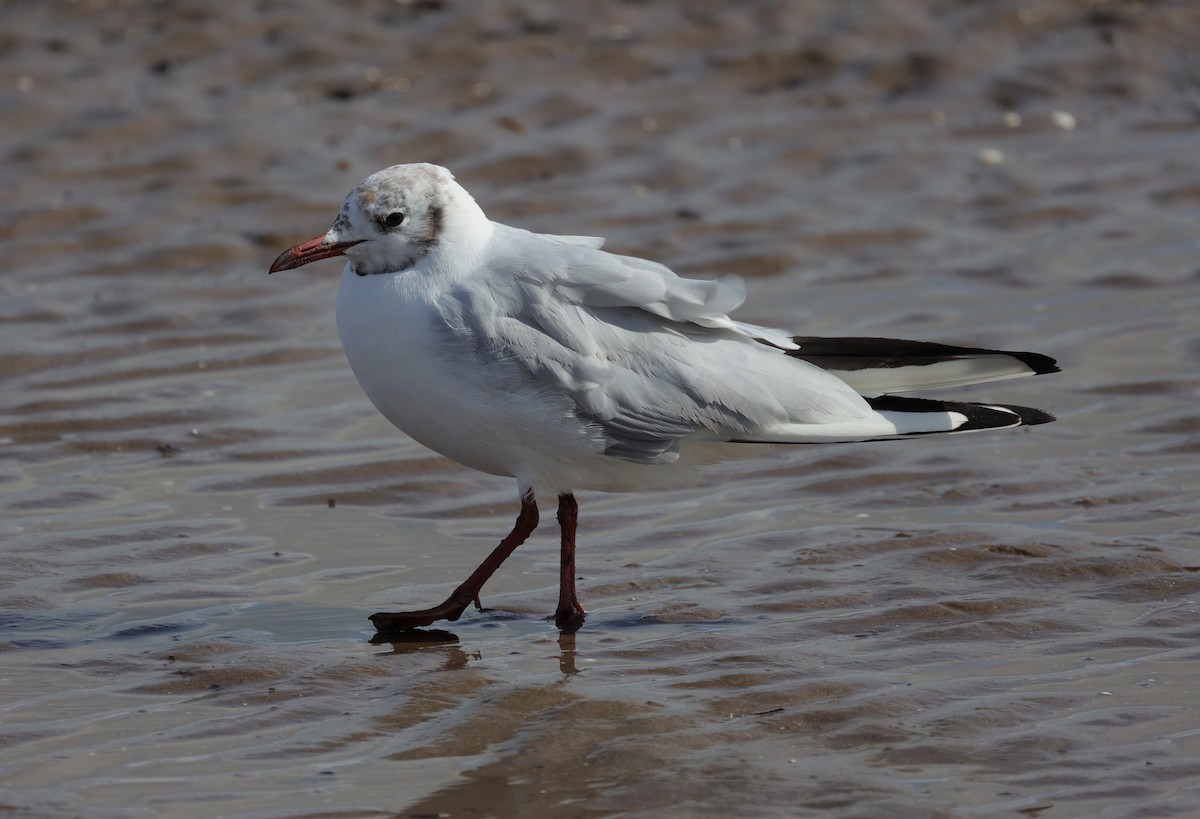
{"points": [[651, 359]]}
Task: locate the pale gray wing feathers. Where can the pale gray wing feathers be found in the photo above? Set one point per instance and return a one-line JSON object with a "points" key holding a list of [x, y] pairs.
{"points": [[611, 280], [596, 242], [621, 335]]}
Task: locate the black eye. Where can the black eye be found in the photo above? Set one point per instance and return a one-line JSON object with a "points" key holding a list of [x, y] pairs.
{"points": [[394, 219]]}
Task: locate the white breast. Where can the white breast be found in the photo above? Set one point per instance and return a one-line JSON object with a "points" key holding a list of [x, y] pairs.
{"points": [[485, 416]]}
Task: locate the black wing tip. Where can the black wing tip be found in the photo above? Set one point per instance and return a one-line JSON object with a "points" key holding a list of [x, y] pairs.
{"points": [[865, 352], [1030, 416], [1040, 364], [979, 416]]}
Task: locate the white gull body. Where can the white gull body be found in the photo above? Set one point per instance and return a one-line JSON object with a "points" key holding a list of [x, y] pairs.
{"points": [[547, 359]]}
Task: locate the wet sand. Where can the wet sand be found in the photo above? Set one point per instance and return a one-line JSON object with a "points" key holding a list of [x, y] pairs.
{"points": [[198, 507]]}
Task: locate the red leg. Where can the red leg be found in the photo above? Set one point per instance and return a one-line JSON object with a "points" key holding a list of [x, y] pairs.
{"points": [[570, 614], [468, 592]]}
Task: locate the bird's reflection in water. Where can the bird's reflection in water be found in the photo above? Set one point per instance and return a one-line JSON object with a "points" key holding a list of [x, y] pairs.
{"points": [[406, 642], [567, 653], [413, 638]]}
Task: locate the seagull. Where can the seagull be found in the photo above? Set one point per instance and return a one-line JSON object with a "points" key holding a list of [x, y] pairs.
{"points": [[547, 359]]}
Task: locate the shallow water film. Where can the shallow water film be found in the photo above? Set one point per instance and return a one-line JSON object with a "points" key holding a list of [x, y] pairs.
{"points": [[199, 508]]}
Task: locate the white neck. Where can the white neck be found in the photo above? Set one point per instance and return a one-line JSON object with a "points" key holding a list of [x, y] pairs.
{"points": [[466, 234]]}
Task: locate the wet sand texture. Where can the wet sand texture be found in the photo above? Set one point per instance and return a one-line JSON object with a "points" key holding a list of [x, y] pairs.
{"points": [[198, 508]]}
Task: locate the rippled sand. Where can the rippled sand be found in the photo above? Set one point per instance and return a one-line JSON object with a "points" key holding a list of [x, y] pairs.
{"points": [[199, 508]]}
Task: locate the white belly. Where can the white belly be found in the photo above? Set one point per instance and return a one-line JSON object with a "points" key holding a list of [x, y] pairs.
{"points": [[486, 414]]}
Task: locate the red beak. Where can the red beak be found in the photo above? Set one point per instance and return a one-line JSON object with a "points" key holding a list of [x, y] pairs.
{"points": [[313, 250]]}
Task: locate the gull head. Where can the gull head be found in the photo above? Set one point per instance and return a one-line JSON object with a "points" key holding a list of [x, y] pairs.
{"points": [[391, 221]]}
